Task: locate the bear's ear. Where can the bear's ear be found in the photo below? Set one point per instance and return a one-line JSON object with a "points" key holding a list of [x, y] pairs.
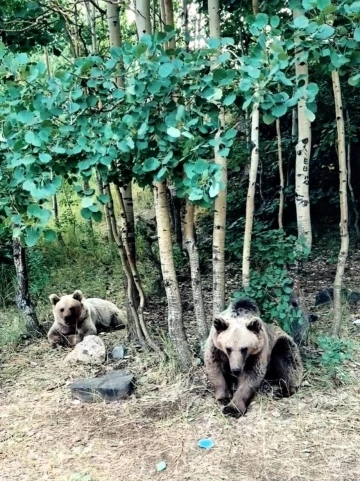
{"points": [[78, 296], [54, 299], [254, 326], [244, 305], [220, 325]]}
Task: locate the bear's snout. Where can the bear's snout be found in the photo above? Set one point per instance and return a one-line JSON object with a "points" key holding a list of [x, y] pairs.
{"points": [[69, 319], [236, 371]]}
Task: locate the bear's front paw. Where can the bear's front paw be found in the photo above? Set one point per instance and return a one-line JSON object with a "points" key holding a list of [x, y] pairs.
{"points": [[223, 400], [234, 411]]}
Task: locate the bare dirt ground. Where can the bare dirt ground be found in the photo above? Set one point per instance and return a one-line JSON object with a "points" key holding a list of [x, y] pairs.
{"points": [[47, 435]]}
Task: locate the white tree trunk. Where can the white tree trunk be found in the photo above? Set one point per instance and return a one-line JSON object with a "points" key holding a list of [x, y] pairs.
{"points": [[142, 17], [344, 233], [303, 152], [281, 175], [113, 19], [191, 247], [219, 229], [250, 200], [175, 314]]}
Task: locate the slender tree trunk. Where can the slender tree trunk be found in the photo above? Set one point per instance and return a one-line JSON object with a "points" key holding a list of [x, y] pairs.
{"points": [[185, 5], [191, 247], [134, 327], [142, 17], [91, 17], [105, 208], [134, 272], [116, 41], [23, 300], [175, 314], [303, 152], [351, 190], [281, 175], [344, 233], [250, 201], [162, 14], [112, 12], [219, 229], [255, 6]]}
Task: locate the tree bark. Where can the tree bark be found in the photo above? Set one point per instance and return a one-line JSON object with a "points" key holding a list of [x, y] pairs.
{"points": [[191, 247], [112, 12], [250, 200], [351, 190], [23, 300], [175, 314], [344, 233], [219, 229], [134, 328], [142, 18], [134, 272], [303, 152], [106, 209], [281, 175]]}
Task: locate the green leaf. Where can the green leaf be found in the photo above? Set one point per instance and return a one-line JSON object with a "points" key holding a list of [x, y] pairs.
{"points": [[97, 216], [274, 21], [31, 139], [196, 194], [40, 213], [173, 132], [245, 84], [214, 190], [201, 166], [25, 117], [44, 157], [32, 236], [279, 110], [86, 213], [308, 4], [322, 4], [229, 100], [268, 119], [87, 202], [301, 22], [224, 152], [261, 20], [166, 69], [355, 80], [325, 31], [151, 164], [357, 34], [103, 198], [49, 235], [309, 115]]}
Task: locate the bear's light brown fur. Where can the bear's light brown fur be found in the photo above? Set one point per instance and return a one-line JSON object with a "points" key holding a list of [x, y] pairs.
{"points": [[242, 350], [76, 317]]}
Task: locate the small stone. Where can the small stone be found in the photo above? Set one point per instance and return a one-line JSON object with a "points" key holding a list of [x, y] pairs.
{"points": [[118, 353], [90, 351], [113, 386]]}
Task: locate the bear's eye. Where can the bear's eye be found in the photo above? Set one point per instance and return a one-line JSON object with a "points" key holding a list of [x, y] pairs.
{"points": [[62, 310], [72, 309], [228, 350], [244, 351]]}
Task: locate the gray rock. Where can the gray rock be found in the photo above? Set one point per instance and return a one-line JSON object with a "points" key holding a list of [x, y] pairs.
{"points": [[113, 386], [89, 351], [118, 353]]}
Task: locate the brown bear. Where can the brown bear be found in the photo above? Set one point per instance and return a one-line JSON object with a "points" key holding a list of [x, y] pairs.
{"points": [[242, 351], [76, 317]]}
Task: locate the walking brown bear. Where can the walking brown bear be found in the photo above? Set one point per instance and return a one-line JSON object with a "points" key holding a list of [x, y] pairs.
{"points": [[243, 350]]}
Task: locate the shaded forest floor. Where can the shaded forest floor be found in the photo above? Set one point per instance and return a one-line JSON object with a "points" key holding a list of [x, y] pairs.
{"points": [[47, 435]]}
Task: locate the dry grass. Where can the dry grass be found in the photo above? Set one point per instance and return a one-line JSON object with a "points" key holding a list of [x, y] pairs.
{"points": [[47, 435]]}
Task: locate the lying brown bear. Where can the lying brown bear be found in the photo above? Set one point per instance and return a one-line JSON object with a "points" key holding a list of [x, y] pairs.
{"points": [[243, 351], [76, 317]]}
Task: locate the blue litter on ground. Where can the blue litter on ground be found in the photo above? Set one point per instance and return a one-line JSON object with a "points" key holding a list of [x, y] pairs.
{"points": [[206, 443]]}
